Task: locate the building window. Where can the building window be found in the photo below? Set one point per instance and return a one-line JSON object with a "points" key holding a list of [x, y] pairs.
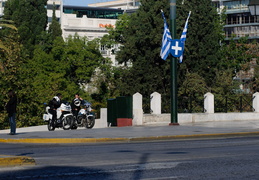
{"points": [[94, 12], [236, 5], [51, 7], [50, 19]]}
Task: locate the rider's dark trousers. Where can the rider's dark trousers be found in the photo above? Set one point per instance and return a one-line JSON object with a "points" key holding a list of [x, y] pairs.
{"points": [[54, 114], [75, 112]]}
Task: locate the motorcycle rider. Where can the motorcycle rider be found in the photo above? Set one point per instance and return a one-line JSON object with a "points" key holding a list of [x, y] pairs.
{"points": [[75, 105], [54, 104]]}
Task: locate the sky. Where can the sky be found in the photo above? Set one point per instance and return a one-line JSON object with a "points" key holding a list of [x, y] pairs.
{"points": [[83, 2]]}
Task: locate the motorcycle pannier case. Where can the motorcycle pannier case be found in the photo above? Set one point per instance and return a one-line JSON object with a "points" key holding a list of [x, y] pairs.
{"points": [[46, 117]]}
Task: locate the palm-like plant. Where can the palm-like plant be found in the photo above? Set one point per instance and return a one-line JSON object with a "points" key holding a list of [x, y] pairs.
{"points": [[6, 24], [6, 40]]}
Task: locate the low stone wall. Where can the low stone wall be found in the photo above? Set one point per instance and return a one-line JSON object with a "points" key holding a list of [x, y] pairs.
{"points": [[149, 119]]}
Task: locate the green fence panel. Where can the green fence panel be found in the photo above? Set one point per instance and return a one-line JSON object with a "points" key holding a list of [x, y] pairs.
{"points": [[121, 107], [124, 107], [112, 112]]}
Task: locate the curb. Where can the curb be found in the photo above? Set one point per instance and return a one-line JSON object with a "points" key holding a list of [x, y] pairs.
{"points": [[7, 161], [130, 139], [238, 134]]}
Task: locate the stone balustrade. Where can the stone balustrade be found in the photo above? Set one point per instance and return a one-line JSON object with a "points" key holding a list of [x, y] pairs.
{"points": [[156, 117]]}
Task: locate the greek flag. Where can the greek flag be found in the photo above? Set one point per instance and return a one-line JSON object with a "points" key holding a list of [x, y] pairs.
{"points": [[183, 36], [166, 40]]}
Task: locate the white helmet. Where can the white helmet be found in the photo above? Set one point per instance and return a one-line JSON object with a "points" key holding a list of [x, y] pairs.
{"points": [[57, 98], [77, 102]]}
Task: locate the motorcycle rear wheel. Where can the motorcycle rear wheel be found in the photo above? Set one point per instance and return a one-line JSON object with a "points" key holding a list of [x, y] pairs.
{"points": [[90, 122], [67, 122], [50, 126]]}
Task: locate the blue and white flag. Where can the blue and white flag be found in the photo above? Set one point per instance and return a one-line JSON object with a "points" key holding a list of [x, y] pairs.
{"points": [[183, 36], [166, 40]]}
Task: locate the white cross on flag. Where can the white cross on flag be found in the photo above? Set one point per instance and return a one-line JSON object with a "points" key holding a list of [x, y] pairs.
{"points": [[176, 48]]}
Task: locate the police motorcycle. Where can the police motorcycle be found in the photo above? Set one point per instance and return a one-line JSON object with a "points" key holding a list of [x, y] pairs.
{"points": [[64, 117], [85, 117]]}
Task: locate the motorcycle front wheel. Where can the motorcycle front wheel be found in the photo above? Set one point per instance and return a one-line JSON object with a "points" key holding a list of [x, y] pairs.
{"points": [[67, 122], [90, 122], [50, 126]]}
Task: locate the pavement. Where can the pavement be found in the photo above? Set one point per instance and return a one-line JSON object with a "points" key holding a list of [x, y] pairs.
{"points": [[40, 134]]}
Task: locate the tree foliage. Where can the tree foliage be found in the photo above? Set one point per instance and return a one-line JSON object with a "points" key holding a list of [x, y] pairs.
{"points": [[207, 56], [68, 65], [204, 37], [30, 17], [10, 64], [6, 26], [140, 37], [46, 65], [235, 54], [54, 28], [37, 63]]}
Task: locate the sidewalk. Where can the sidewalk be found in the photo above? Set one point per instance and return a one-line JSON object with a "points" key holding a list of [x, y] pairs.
{"points": [[40, 134]]}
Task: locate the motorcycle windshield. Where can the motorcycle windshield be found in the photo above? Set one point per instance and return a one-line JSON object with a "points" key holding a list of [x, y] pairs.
{"points": [[65, 106], [86, 103]]}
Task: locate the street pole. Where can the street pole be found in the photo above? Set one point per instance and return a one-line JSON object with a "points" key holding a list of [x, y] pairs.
{"points": [[174, 113]]}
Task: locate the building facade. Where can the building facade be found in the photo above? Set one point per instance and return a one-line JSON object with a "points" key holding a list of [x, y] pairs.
{"points": [[2, 4], [239, 21], [58, 9], [90, 22], [119, 4]]}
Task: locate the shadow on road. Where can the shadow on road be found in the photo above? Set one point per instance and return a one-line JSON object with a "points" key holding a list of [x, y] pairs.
{"points": [[54, 172], [138, 173]]}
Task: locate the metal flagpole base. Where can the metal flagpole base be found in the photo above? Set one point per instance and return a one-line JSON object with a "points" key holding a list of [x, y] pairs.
{"points": [[174, 124]]}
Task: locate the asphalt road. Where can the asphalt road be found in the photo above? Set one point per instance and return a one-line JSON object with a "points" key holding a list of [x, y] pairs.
{"points": [[224, 158]]}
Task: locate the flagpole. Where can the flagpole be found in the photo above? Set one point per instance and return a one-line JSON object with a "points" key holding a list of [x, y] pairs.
{"points": [[174, 106]]}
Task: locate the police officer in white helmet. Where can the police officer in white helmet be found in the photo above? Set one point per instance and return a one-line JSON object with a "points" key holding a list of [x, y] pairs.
{"points": [[54, 104], [75, 105]]}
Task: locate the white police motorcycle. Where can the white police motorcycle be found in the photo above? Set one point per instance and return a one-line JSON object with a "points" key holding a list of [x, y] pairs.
{"points": [[64, 117], [85, 117]]}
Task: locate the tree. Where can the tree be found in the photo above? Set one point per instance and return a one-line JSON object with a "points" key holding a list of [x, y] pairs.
{"points": [[194, 84], [30, 17], [82, 57], [107, 81], [140, 37], [224, 84], [235, 54], [65, 69], [54, 28], [5, 38], [10, 55], [115, 35], [6, 24], [191, 93], [10, 64], [253, 53], [204, 37]]}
